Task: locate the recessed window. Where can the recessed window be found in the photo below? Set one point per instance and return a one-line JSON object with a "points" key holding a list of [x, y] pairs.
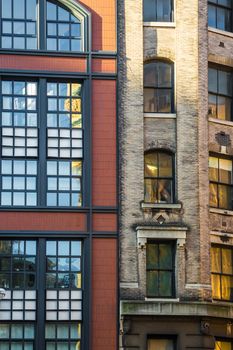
{"points": [[222, 272], [22, 26], [48, 138], [158, 10], [220, 94], [160, 269], [48, 273], [158, 177], [220, 173], [220, 14], [160, 344], [158, 87]]}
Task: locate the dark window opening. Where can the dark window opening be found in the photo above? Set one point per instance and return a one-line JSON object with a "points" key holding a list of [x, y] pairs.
{"points": [[220, 14], [158, 10]]}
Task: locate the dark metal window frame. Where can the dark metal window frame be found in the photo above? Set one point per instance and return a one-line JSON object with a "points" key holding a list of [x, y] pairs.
{"points": [[224, 69], [219, 6], [172, 178], [217, 183], [172, 243], [157, 88], [41, 22], [156, 16], [39, 340], [221, 273], [42, 148]]}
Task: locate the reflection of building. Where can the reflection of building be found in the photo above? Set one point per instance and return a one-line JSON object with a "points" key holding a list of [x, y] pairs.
{"points": [[58, 205], [176, 268]]}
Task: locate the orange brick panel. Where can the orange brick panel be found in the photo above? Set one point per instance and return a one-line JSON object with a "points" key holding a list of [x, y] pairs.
{"points": [[101, 65], [103, 23], [104, 222], [104, 302], [104, 143], [42, 221], [57, 64]]}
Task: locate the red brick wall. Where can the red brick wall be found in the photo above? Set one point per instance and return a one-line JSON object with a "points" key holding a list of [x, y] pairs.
{"points": [[104, 302], [105, 222]]}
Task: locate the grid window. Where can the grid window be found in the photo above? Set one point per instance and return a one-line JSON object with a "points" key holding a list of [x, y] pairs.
{"points": [[64, 183], [17, 336], [158, 177], [158, 87], [220, 14], [158, 10], [160, 269], [160, 344], [19, 119], [221, 190], [63, 336], [222, 272], [220, 94], [18, 183], [64, 31], [18, 24]]}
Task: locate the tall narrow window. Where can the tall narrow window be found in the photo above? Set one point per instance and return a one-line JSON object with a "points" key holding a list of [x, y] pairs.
{"points": [[221, 185], [220, 14], [222, 272], [158, 87], [158, 10], [159, 177], [160, 269], [220, 94]]}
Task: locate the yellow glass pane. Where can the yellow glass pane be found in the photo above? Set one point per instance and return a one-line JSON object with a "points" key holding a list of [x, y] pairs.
{"points": [[76, 120], [225, 171], [216, 287], [227, 261], [160, 344], [213, 195], [78, 280], [76, 89], [224, 196], [150, 188], [151, 165], [165, 165], [226, 287], [220, 345], [76, 105], [77, 168], [216, 259], [213, 168]]}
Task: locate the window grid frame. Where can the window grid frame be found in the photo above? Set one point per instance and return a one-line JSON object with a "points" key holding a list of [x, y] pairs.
{"points": [[156, 13], [224, 7], [218, 183], [24, 341], [220, 274], [172, 270]]}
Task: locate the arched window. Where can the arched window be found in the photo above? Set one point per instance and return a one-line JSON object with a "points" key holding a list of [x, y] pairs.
{"points": [[159, 177], [30, 25], [158, 10], [158, 87]]}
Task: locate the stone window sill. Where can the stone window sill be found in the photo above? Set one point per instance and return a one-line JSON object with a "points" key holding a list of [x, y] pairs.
{"points": [[221, 211], [160, 205], [160, 115], [220, 121], [160, 24], [159, 300], [219, 31]]}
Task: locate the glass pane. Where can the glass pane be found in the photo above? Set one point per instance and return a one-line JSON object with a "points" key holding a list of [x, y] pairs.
{"points": [[51, 264], [164, 74], [51, 248], [212, 106], [18, 281], [213, 169], [216, 286], [150, 75], [50, 331], [220, 345], [165, 256], [5, 247], [223, 19], [163, 100], [227, 263], [5, 280], [6, 9], [151, 164], [31, 9], [165, 165], [213, 80], [165, 284], [152, 256], [63, 15], [224, 83], [149, 11], [225, 171], [62, 331], [164, 191], [163, 10], [63, 248], [4, 331], [75, 331], [160, 344], [216, 259], [76, 248], [5, 264], [150, 195], [212, 16], [227, 285], [17, 331], [19, 9], [225, 197], [150, 103], [152, 284]]}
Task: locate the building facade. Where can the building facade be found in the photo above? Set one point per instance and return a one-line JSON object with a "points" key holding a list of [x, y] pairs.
{"points": [[58, 175], [176, 133]]}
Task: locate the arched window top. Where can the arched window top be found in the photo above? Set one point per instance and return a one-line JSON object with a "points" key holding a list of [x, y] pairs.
{"points": [[44, 25], [158, 87], [159, 177]]}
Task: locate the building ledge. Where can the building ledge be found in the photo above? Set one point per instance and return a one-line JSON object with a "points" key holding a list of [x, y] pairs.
{"points": [[174, 308], [161, 205], [221, 211], [160, 115], [221, 32], [160, 24], [220, 121]]}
